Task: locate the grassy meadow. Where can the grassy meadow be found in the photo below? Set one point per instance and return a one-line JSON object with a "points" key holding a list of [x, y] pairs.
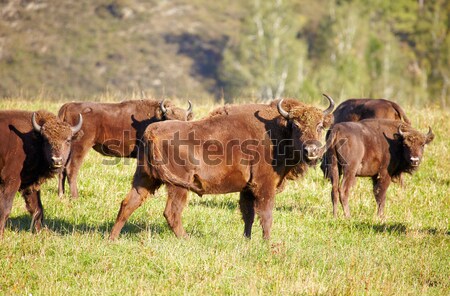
{"points": [[310, 252]]}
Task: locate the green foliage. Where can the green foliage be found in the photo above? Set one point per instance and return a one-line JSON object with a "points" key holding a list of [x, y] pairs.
{"points": [[358, 48], [266, 59]]}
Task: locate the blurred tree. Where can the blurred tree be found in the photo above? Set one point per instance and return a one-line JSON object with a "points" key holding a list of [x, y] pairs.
{"points": [[268, 59]]}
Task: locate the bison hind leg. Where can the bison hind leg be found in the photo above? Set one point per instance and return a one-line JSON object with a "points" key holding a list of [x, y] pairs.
{"points": [[176, 201], [142, 187], [62, 183], [348, 181], [7, 193], [247, 206]]}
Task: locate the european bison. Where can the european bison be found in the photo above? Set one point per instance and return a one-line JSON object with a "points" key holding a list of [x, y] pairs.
{"points": [[34, 147], [248, 148], [377, 148], [359, 109], [112, 129]]}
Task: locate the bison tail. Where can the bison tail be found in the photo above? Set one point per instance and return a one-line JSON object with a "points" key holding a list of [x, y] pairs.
{"points": [[329, 160], [62, 112], [159, 167], [401, 113]]}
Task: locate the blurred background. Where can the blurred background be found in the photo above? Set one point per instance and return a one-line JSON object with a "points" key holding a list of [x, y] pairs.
{"points": [[226, 50]]}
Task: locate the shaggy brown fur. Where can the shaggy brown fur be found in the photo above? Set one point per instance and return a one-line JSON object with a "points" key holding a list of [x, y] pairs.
{"points": [[112, 129], [27, 158], [371, 148], [257, 171], [52, 128]]}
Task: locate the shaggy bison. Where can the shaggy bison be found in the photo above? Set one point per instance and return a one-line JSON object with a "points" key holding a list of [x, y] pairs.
{"points": [[359, 109], [112, 129], [249, 148], [377, 148], [34, 147]]}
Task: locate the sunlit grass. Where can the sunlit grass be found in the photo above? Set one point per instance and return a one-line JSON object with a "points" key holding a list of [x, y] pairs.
{"points": [[309, 253]]}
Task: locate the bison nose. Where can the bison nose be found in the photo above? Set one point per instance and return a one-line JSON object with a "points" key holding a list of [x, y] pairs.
{"points": [[311, 151], [415, 161], [57, 162]]}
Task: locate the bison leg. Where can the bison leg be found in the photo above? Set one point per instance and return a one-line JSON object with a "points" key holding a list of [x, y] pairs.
{"points": [[348, 180], [247, 206], [61, 183], [34, 206], [264, 202], [142, 187], [73, 167], [380, 186], [7, 193], [334, 177], [176, 201]]}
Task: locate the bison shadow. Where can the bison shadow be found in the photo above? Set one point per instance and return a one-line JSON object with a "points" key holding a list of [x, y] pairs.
{"points": [[62, 227], [396, 228]]}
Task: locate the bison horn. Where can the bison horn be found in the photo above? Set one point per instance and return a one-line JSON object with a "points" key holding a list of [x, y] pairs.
{"points": [[282, 111], [163, 109], [36, 126], [189, 110], [76, 129], [430, 132], [331, 107], [401, 133]]}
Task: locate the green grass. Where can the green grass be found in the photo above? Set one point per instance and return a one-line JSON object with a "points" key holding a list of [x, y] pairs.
{"points": [[309, 253]]}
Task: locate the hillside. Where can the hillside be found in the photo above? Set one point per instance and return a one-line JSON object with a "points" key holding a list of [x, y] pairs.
{"points": [[77, 48], [233, 49]]}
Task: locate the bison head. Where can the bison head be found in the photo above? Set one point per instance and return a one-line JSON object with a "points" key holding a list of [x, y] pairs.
{"points": [[414, 143], [307, 123], [57, 137], [170, 112]]}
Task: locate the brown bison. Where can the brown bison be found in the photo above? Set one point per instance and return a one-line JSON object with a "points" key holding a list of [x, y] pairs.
{"points": [[112, 129], [249, 148], [34, 147], [359, 109], [378, 148]]}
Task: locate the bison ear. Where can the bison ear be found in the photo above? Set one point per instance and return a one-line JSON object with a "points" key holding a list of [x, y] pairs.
{"points": [[78, 135]]}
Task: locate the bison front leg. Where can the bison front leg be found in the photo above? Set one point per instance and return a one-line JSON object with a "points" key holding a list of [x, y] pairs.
{"points": [[176, 201], [34, 206], [247, 206], [264, 202], [380, 185]]}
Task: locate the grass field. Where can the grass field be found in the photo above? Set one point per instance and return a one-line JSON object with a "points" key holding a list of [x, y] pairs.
{"points": [[310, 252]]}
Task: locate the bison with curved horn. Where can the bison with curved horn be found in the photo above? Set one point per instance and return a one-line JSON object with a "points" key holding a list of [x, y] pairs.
{"points": [[251, 149], [377, 148], [34, 147], [112, 129]]}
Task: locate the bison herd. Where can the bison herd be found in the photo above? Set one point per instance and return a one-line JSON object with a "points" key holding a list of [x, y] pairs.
{"points": [[249, 148]]}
